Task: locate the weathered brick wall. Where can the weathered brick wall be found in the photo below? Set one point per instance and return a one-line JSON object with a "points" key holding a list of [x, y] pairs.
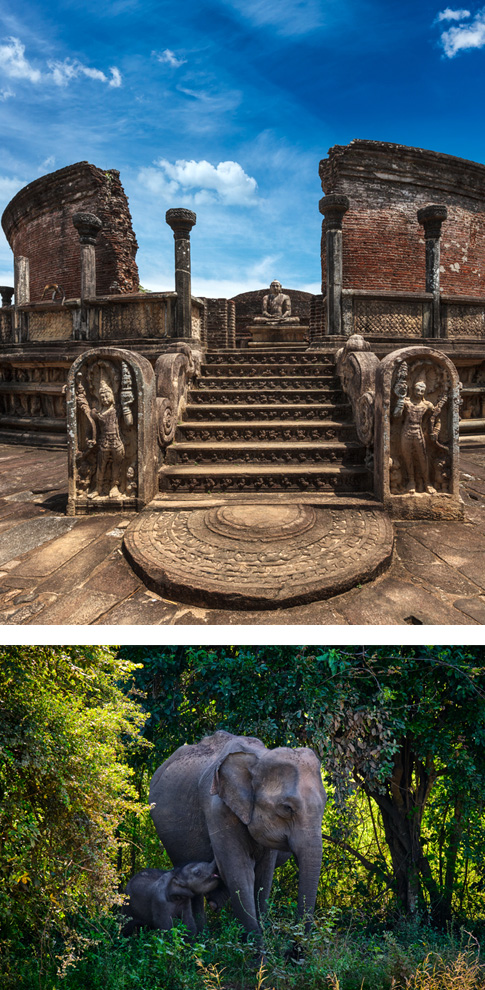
{"points": [[383, 244], [217, 323], [38, 225]]}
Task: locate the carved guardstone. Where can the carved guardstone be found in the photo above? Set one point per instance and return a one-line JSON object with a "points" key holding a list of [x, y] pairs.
{"points": [[416, 435], [112, 437]]}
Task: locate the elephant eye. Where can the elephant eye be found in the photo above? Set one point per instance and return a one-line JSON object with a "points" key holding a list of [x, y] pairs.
{"points": [[287, 810]]}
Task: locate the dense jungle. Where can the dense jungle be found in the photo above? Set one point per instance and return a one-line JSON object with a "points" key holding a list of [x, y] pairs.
{"points": [[400, 732]]}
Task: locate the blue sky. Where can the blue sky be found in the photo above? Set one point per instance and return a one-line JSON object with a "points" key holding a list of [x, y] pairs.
{"points": [[227, 106]]}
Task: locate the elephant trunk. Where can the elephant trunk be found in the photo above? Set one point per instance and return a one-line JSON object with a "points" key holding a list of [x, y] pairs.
{"points": [[309, 866]]}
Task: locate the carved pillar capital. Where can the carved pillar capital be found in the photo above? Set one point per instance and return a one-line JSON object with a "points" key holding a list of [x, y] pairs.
{"points": [[181, 221], [88, 227], [333, 207], [431, 218], [6, 292]]}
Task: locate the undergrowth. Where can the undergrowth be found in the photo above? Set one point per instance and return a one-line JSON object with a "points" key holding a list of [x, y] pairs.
{"points": [[337, 954]]}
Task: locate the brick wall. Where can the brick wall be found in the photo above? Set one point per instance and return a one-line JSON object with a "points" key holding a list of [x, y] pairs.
{"points": [[383, 244], [219, 322], [38, 225]]}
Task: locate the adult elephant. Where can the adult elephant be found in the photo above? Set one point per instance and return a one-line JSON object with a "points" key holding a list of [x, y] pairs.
{"points": [[230, 798]]}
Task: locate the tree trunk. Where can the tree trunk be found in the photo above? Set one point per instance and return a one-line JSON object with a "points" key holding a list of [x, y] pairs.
{"points": [[402, 808]]}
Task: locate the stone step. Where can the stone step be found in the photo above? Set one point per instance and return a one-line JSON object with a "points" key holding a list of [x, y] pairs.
{"points": [[247, 478], [270, 357], [223, 412], [284, 452], [263, 396], [265, 431], [268, 370], [272, 380]]}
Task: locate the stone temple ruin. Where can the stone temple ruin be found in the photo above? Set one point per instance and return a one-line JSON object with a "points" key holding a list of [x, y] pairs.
{"points": [[265, 443]]}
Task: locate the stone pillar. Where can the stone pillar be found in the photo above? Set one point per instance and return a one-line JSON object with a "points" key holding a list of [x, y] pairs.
{"points": [[6, 292], [22, 281], [431, 218], [181, 221], [88, 227], [333, 208], [22, 298]]}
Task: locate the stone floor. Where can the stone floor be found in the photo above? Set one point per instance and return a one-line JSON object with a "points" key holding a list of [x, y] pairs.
{"points": [[59, 570]]}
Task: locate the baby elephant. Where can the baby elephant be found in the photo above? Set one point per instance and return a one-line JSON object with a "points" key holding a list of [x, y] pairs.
{"points": [[158, 896]]}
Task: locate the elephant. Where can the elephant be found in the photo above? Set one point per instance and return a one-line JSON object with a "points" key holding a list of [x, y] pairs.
{"points": [[155, 897], [248, 807]]}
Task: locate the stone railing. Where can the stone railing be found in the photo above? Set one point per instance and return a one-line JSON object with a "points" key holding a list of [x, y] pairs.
{"points": [[174, 373], [132, 316]]}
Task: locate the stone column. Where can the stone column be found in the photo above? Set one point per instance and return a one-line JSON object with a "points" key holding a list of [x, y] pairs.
{"points": [[181, 221], [22, 281], [333, 208], [22, 298], [431, 218], [88, 227]]}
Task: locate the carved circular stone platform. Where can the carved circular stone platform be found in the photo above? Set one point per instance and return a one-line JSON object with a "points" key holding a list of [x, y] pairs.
{"points": [[260, 556]]}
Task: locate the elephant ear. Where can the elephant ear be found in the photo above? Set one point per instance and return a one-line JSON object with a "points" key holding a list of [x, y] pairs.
{"points": [[234, 784]]}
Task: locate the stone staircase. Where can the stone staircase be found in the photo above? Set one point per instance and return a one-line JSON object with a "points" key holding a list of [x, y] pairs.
{"points": [[266, 420]]}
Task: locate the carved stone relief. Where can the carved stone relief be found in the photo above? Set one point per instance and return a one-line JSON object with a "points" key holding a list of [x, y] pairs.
{"points": [[416, 434], [383, 316], [111, 431]]}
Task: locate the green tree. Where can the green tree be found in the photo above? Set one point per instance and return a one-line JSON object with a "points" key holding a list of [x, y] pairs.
{"points": [[65, 728]]}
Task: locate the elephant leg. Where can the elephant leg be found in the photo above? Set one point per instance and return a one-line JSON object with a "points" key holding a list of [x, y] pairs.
{"points": [[197, 911], [241, 889], [129, 927], [263, 880], [188, 918], [218, 897]]}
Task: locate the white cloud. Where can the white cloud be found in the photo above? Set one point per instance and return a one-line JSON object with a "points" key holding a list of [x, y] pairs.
{"points": [[452, 15], [169, 58], [227, 180], [64, 72], [465, 36], [289, 17], [14, 63], [5, 94], [115, 80]]}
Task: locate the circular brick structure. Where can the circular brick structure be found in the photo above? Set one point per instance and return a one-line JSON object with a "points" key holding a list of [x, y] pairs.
{"points": [[38, 225], [383, 243], [258, 556]]}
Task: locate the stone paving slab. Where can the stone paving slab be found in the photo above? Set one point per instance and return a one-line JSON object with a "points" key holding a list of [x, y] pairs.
{"points": [[59, 570]]}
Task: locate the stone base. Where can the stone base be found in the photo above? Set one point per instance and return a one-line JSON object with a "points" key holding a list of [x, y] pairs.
{"points": [[424, 506], [265, 333], [258, 556], [103, 503]]}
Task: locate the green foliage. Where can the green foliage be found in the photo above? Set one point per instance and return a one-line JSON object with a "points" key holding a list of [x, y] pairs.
{"points": [[337, 953], [65, 724]]}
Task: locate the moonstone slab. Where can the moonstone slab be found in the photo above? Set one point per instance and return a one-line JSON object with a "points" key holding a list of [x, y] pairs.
{"points": [[258, 556]]}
